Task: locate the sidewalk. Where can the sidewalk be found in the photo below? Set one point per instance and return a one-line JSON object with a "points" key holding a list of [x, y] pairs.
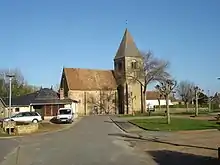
{"points": [[204, 142], [129, 128]]}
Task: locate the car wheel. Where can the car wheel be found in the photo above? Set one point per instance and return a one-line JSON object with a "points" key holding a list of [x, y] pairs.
{"points": [[35, 121]]}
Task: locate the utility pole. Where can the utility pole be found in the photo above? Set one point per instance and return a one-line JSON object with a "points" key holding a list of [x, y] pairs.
{"points": [[10, 76]]}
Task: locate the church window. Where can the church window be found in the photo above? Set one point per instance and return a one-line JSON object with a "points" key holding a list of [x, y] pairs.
{"points": [[119, 66], [134, 64]]}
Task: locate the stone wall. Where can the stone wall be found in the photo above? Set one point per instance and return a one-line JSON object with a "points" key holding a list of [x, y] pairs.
{"points": [[26, 129], [89, 99]]}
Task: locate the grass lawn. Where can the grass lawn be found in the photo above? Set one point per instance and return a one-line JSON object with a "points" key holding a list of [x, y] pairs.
{"points": [[191, 112], [46, 127], [177, 124]]}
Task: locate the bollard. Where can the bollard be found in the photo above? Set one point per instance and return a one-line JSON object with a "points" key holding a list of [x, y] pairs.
{"points": [[218, 152]]}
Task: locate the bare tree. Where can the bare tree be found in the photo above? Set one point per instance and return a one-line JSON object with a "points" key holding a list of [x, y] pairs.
{"points": [[197, 90], [185, 91], [19, 85], [57, 87], [104, 102], [159, 98], [154, 70], [166, 87]]}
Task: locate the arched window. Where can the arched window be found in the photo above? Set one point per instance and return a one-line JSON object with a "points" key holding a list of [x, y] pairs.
{"points": [[134, 64], [119, 65]]}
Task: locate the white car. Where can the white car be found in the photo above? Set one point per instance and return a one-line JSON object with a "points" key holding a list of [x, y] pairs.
{"points": [[65, 115], [26, 117]]}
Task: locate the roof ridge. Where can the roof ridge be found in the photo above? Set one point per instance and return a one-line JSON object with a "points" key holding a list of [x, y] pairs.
{"points": [[90, 69], [87, 79]]}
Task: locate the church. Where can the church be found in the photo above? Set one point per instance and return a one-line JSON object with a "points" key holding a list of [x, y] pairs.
{"points": [[107, 91]]}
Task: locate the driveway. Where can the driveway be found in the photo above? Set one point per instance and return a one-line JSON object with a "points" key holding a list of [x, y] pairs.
{"points": [[94, 140]]}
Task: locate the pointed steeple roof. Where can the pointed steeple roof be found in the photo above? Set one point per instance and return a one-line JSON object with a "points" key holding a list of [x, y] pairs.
{"points": [[127, 47]]}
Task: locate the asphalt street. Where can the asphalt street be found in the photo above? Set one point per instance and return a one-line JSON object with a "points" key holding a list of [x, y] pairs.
{"points": [[6, 146], [94, 140]]}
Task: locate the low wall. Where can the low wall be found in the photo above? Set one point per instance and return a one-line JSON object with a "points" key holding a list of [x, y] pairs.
{"points": [[26, 129]]}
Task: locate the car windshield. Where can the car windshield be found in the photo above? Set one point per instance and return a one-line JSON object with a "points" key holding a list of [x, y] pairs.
{"points": [[65, 111]]}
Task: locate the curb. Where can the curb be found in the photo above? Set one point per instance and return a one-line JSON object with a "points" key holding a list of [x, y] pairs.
{"points": [[183, 131], [10, 137], [121, 128], [44, 133], [127, 134], [145, 128]]}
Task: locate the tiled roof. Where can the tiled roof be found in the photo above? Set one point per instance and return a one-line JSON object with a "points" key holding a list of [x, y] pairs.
{"points": [[89, 79], [153, 95], [127, 47], [44, 95]]}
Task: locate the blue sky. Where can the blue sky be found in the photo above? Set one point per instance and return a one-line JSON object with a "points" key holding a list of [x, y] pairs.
{"points": [[41, 37]]}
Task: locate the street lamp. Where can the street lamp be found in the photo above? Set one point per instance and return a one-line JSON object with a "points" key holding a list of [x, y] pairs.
{"points": [[10, 76]]}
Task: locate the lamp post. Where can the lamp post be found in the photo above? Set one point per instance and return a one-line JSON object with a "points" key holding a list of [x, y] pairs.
{"points": [[10, 76]]}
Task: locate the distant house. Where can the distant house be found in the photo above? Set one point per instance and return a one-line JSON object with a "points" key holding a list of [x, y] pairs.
{"points": [[45, 101], [154, 98]]}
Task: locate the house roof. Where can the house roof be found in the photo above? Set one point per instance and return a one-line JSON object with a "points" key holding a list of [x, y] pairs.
{"points": [[127, 47], [153, 95], [42, 96], [89, 79], [1, 100], [46, 94]]}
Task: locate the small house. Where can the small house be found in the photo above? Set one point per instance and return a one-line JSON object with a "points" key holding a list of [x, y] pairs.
{"points": [[45, 101]]}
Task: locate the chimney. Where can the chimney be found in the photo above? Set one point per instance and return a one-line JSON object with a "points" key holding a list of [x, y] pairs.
{"points": [[61, 93]]}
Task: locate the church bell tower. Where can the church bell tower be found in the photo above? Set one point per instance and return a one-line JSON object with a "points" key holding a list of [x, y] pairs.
{"points": [[128, 66]]}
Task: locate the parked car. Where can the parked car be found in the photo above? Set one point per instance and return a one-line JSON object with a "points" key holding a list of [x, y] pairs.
{"points": [[26, 117], [65, 115]]}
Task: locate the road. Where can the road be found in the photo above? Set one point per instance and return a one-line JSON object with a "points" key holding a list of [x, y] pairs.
{"points": [[92, 141], [6, 145]]}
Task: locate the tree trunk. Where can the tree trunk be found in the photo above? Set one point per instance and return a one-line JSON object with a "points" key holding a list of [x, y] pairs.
{"points": [[187, 106], [159, 105], [143, 100], [143, 91], [167, 109], [210, 105], [142, 106], [196, 105]]}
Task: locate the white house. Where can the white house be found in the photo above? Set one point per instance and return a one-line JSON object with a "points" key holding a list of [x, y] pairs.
{"points": [[153, 98]]}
